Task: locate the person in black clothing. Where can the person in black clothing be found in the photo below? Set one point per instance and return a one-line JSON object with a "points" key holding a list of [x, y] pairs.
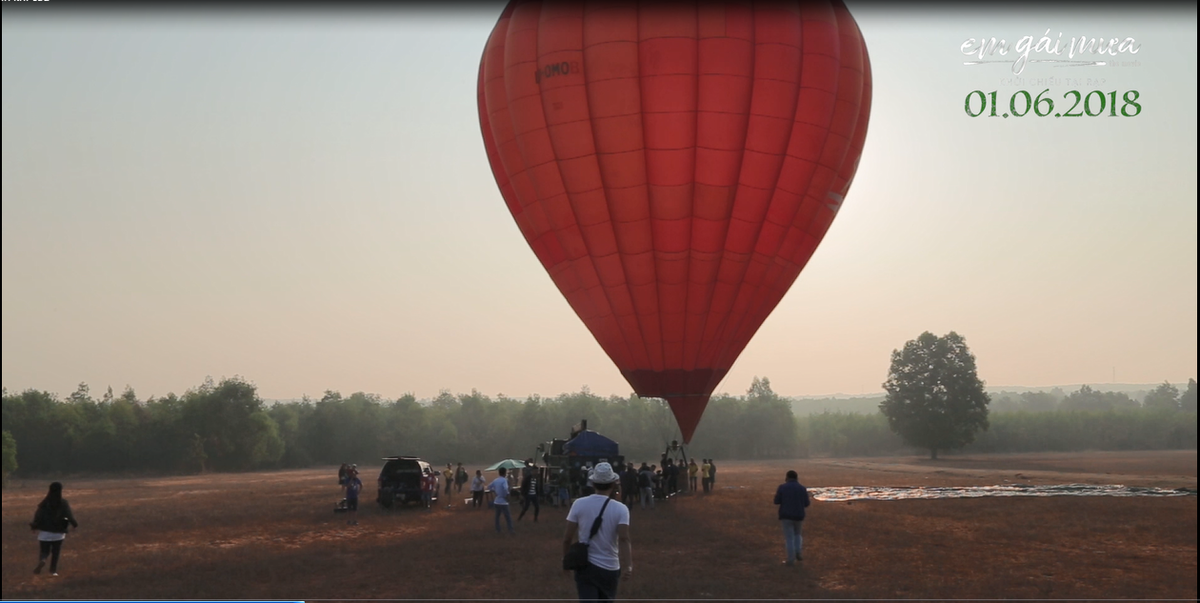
{"points": [[50, 522], [530, 493], [792, 498], [628, 484], [573, 478], [460, 478]]}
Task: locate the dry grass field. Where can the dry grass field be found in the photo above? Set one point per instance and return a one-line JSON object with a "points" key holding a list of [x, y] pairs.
{"points": [[274, 535]]}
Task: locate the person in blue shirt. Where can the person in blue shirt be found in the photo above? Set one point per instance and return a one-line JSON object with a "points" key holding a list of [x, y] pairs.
{"points": [[792, 498], [500, 487]]}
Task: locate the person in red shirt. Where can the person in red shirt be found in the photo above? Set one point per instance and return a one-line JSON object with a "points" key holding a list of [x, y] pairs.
{"points": [[428, 487]]}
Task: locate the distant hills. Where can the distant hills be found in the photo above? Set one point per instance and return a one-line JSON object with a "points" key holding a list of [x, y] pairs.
{"points": [[1128, 388]]}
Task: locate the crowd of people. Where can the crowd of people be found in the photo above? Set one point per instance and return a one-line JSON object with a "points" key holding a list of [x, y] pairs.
{"points": [[597, 561], [531, 485]]}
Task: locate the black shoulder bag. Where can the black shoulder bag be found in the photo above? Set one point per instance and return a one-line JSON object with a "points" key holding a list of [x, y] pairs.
{"points": [[577, 556]]}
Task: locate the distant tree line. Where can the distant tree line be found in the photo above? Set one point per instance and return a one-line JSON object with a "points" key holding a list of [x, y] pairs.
{"points": [[1165, 395], [226, 426]]}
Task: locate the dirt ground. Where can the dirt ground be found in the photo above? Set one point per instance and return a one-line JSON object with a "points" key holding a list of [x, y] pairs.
{"points": [[274, 535]]}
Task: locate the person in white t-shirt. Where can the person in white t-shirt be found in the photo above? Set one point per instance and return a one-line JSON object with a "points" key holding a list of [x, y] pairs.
{"points": [[500, 487], [610, 550]]}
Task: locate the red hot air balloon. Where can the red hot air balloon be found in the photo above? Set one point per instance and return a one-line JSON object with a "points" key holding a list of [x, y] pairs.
{"points": [[674, 166]]}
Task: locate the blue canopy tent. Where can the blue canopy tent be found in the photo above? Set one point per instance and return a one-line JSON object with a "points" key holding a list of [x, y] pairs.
{"points": [[588, 443]]}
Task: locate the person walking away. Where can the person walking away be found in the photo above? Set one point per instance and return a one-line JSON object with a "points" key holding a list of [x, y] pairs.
{"points": [[610, 549], [646, 486], [460, 478], [477, 486], [353, 487], [792, 498], [530, 494], [428, 487], [50, 521], [564, 486], [628, 484], [693, 469], [499, 487]]}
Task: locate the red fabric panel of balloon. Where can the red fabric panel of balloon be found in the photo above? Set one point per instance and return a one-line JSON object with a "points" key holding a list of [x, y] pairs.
{"points": [[674, 166]]}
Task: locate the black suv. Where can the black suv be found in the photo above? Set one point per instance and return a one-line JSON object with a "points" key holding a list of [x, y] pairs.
{"points": [[400, 481]]}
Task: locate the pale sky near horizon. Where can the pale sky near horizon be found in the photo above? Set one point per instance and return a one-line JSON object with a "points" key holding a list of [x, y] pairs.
{"points": [[302, 198]]}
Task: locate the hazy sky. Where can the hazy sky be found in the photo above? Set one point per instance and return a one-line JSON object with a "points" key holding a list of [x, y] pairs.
{"points": [[303, 199]]}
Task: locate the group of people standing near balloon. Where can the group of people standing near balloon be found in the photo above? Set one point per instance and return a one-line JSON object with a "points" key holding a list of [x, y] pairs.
{"points": [[532, 485]]}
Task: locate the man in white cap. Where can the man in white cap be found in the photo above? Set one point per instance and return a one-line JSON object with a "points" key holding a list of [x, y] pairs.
{"points": [[610, 551]]}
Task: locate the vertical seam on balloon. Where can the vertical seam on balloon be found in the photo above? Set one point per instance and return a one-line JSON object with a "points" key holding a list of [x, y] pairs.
{"points": [[649, 196], [489, 142], [716, 349], [608, 206], [741, 161], [558, 168], [864, 112], [523, 168], [503, 178], [768, 286], [585, 301], [733, 334], [858, 137], [855, 123], [687, 276]]}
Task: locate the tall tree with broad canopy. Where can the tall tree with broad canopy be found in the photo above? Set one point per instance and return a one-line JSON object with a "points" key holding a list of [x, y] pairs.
{"points": [[935, 399], [1163, 397]]}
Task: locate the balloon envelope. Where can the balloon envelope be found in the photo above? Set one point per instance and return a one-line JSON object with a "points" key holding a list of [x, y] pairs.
{"points": [[674, 166]]}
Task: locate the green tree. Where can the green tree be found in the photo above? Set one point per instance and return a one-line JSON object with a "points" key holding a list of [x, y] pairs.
{"points": [[1089, 399], [767, 424], [195, 460], [36, 420], [289, 417], [1163, 397], [10, 456], [1187, 400], [935, 399], [1037, 402], [238, 434]]}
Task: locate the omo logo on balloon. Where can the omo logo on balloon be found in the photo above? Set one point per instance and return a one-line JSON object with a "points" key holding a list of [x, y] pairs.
{"points": [[555, 69]]}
